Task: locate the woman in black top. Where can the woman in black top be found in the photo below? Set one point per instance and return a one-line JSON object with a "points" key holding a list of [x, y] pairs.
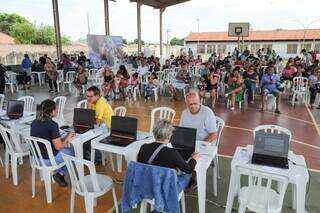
{"points": [[211, 86], [167, 157], [250, 80], [108, 76], [44, 127]]}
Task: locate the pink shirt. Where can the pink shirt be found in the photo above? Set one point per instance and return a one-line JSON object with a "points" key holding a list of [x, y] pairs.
{"points": [[134, 82], [288, 72]]}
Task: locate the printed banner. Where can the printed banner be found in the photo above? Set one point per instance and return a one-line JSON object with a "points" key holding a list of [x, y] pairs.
{"points": [[104, 50]]}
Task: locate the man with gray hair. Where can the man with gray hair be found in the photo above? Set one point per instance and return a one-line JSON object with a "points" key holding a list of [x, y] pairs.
{"points": [[199, 117]]}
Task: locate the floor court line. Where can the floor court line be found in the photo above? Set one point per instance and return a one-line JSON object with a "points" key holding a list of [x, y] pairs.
{"points": [[250, 130], [293, 140], [281, 115], [313, 120]]}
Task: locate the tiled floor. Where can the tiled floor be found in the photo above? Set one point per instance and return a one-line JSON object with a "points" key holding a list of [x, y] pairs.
{"points": [[238, 131]]}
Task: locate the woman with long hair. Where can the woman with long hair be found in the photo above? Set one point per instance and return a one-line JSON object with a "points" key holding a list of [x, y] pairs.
{"points": [[235, 87], [44, 127], [108, 77], [52, 74], [81, 78]]}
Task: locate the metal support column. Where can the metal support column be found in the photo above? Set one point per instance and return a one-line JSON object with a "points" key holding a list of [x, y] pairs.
{"points": [[139, 4], [161, 31], [55, 7], [106, 17]]}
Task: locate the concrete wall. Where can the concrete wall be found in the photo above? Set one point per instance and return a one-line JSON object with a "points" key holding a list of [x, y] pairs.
{"points": [[279, 47], [13, 53]]}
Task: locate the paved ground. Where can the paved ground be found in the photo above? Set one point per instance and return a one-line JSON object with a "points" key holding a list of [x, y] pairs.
{"points": [[238, 131]]}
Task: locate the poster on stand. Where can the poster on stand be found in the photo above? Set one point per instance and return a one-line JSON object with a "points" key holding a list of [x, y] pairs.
{"points": [[104, 50]]}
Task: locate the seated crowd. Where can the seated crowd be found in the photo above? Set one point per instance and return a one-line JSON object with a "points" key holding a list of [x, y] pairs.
{"points": [[237, 77]]}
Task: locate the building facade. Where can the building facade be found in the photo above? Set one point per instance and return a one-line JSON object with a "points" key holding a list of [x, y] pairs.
{"points": [[286, 43]]}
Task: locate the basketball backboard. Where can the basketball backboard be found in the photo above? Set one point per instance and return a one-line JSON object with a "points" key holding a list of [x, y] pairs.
{"points": [[240, 29]]}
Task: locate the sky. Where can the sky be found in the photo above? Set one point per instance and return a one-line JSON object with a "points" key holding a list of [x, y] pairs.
{"points": [[179, 20]]}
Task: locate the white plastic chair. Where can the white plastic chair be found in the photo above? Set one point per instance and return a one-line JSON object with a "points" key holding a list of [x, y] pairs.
{"points": [[11, 80], [89, 186], [97, 77], [145, 202], [60, 79], [300, 89], [220, 126], [120, 111], [1, 162], [258, 196], [136, 92], [92, 74], [143, 79], [60, 102], [163, 113], [161, 79], [14, 149], [155, 93], [271, 101], [28, 103], [274, 129], [83, 90], [69, 79], [45, 166], [82, 104], [2, 97]]}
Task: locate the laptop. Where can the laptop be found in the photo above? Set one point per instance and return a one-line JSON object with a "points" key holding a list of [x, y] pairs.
{"points": [[14, 110], [83, 120], [271, 149], [183, 140], [123, 131]]}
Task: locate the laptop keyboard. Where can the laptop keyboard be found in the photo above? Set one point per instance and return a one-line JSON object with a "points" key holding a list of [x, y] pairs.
{"points": [[117, 141]]}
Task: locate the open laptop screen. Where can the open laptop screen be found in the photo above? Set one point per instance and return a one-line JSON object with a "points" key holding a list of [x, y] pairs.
{"points": [[183, 137], [15, 109], [271, 144], [125, 126], [84, 117]]}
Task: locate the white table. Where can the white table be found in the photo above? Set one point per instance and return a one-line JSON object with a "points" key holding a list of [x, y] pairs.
{"points": [[130, 152], [20, 123], [206, 150], [297, 174], [78, 141], [39, 76]]}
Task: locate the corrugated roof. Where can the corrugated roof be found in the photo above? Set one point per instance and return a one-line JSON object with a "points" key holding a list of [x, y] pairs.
{"points": [[271, 35], [6, 39], [160, 3]]}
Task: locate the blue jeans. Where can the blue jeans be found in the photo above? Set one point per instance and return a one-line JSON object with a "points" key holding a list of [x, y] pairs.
{"points": [[251, 91], [59, 159]]}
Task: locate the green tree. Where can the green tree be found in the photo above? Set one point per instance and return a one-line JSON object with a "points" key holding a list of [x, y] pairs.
{"points": [[65, 40], [45, 35], [136, 41], [24, 33], [176, 41], [7, 20]]}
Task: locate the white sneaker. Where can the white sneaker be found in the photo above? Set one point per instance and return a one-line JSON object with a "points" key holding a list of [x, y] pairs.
{"points": [[232, 108]]}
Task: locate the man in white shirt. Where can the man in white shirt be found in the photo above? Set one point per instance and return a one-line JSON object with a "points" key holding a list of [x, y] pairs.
{"points": [[199, 117], [307, 59], [143, 69]]}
